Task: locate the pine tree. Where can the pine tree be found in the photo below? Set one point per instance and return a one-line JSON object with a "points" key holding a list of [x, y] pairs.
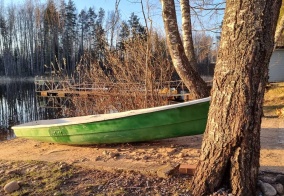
{"points": [[3, 33], [51, 26], [123, 35], [70, 34], [135, 26], [100, 42], [83, 26]]}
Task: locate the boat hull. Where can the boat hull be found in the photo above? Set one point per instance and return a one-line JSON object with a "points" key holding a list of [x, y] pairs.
{"points": [[174, 122]]}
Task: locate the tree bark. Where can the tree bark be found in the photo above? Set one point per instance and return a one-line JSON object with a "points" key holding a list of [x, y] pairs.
{"points": [[185, 70], [279, 30], [231, 144], [187, 33]]}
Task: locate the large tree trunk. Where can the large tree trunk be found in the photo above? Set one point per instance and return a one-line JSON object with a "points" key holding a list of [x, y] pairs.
{"points": [[279, 30], [187, 33], [231, 145], [187, 73]]}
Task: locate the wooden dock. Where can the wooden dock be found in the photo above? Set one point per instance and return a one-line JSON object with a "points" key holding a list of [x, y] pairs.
{"points": [[55, 92]]}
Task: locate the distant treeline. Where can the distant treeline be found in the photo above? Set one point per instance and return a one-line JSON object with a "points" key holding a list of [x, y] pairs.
{"points": [[38, 38]]}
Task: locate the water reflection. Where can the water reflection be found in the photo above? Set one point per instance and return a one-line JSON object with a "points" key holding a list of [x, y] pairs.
{"points": [[18, 104]]}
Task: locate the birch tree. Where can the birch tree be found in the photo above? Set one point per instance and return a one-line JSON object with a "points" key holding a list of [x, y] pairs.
{"points": [[280, 27], [187, 33], [182, 61]]}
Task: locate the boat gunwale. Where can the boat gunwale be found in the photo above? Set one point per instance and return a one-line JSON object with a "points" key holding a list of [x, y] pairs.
{"points": [[103, 117], [122, 130]]}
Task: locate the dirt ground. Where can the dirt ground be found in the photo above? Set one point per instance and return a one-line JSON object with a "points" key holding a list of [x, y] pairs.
{"points": [[148, 157], [121, 169]]}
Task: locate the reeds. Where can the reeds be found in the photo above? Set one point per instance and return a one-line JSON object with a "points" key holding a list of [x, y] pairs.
{"points": [[123, 79]]}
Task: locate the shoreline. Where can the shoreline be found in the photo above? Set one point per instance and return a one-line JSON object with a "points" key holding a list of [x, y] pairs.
{"points": [[146, 156], [146, 168], [4, 79]]}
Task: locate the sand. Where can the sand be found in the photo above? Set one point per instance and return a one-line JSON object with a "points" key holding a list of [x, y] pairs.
{"points": [[147, 157]]}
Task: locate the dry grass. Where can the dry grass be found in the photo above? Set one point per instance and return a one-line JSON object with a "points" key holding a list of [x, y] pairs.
{"points": [[123, 79], [273, 99]]}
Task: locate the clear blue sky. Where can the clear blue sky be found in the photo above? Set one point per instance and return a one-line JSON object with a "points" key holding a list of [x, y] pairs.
{"points": [[126, 7]]}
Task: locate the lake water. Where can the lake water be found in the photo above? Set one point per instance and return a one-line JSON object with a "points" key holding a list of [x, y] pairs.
{"points": [[19, 104]]}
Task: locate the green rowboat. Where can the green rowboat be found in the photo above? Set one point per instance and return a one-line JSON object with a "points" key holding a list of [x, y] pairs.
{"points": [[182, 119]]}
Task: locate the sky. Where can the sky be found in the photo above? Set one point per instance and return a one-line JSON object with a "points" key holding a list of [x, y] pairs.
{"points": [[126, 7]]}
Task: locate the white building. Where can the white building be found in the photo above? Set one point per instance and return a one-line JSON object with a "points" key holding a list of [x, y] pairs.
{"points": [[276, 66]]}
